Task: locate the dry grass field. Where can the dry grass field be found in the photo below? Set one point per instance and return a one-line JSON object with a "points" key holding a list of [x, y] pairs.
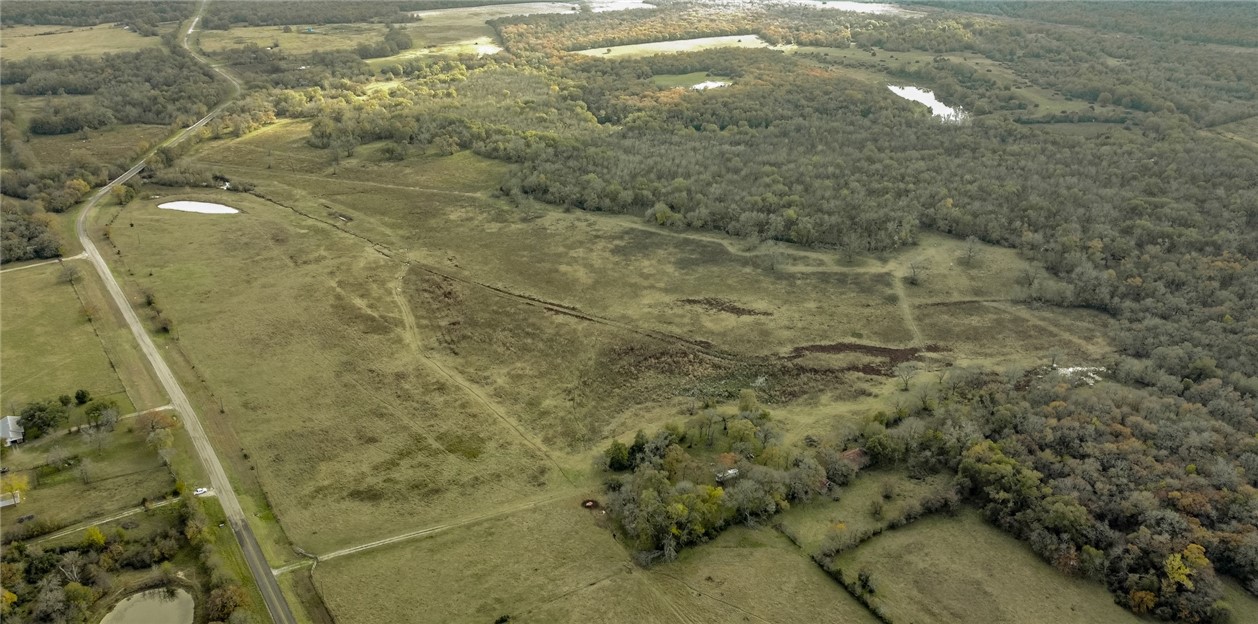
{"points": [[20, 42]]}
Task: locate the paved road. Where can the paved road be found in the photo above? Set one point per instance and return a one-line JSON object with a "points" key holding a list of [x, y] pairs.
{"points": [[258, 566]]}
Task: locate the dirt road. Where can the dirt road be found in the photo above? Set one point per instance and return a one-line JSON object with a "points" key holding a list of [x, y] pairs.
{"points": [[276, 605]]}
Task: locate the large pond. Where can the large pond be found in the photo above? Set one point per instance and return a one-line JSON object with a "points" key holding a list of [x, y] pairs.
{"points": [[167, 606], [197, 206], [944, 112]]}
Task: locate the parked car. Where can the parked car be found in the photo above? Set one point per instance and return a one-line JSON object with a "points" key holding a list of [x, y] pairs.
{"points": [[200, 491]]}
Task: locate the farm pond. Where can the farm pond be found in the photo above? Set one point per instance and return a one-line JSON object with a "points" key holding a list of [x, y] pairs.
{"points": [[168, 606]]}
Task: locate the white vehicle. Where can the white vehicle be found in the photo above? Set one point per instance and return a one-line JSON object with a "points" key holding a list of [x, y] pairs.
{"points": [[200, 491]]}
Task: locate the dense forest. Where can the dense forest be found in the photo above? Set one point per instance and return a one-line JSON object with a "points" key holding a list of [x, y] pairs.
{"points": [[1230, 23], [143, 16]]}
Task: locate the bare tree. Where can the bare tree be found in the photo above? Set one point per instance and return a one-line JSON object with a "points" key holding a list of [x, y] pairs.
{"points": [[905, 372], [69, 274]]}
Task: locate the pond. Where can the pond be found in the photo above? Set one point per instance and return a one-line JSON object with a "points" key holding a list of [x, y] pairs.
{"points": [[155, 605], [196, 206], [944, 112]]}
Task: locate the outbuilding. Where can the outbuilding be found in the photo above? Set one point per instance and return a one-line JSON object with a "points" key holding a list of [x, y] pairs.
{"points": [[11, 431]]}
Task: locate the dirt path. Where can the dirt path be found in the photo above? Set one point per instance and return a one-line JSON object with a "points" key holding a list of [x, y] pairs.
{"points": [[433, 529], [906, 309], [413, 340], [91, 523], [79, 256]]}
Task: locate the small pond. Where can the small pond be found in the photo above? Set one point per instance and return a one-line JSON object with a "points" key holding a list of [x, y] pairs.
{"points": [[196, 206], [939, 109], [155, 605]]}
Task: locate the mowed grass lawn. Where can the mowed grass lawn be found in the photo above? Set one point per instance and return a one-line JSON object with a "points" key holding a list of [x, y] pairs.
{"points": [[25, 41], [47, 345], [960, 569]]}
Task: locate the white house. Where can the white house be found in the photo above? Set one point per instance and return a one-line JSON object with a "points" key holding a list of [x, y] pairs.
{"points": [[10, 431]]}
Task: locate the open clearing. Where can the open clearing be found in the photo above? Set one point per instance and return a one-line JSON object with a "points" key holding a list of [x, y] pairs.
{"points": [[939, 569], [412, 312], [678, 45], [557, 563], [394, 366], [50, 347], [24, 41], [298, 40]]}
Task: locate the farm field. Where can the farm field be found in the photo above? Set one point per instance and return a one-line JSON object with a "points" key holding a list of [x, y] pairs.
{"points": [[810, 523], [24, 41], [940, 569]]}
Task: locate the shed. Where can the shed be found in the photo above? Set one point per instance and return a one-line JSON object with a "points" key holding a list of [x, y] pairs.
{"points": [[11, 431]]}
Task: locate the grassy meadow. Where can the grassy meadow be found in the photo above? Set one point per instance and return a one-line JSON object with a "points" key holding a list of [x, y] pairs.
{"points": [[298, 40], [400, 311], [20, 42], [395, 366], [50, 346], [939, 569], [677, 45]]}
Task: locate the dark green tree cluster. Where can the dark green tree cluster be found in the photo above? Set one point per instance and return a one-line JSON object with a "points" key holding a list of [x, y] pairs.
{"points": [[1231, 23], [143, 16], [24, 235], [691, 481], [1154, 495], [155, 86], [223, 15], [395, 40]]}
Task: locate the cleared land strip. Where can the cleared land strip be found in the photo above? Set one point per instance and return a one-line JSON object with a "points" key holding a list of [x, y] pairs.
{"points": [[91, 523]]}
